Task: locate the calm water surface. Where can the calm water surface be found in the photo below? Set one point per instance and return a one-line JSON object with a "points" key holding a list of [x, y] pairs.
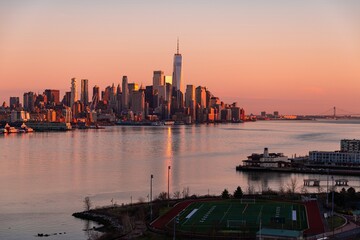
{"points": [[44, 177]]}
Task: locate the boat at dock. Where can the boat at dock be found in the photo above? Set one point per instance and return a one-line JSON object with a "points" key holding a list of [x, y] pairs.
{"points": [[10, 129], [25, 129]]}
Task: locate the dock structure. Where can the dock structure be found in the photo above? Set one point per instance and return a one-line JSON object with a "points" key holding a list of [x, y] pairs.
{"points": [[341, 182], [312, 182]]}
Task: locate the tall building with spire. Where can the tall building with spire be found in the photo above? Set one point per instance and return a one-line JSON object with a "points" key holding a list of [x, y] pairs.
{"points": [[176, 79]]}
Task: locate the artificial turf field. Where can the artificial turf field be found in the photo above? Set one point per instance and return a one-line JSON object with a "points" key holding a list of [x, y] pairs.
{"points": [[233, 215]]}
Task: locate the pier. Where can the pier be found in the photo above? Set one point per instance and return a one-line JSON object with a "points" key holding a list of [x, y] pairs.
{"points": [[314, 182], [341, 182]]}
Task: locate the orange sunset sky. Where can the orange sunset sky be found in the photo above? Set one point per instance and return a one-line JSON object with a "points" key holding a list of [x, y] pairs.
{"points": [[296, 57]]}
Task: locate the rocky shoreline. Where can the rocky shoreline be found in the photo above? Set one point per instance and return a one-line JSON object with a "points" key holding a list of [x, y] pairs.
{"points": [[118, 222]]}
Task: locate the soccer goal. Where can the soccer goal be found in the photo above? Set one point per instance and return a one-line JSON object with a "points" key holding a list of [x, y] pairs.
{"points": [[248, 200]]}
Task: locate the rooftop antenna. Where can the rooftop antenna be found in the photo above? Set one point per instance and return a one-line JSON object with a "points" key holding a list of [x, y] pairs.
{"points": [[177, 46]]}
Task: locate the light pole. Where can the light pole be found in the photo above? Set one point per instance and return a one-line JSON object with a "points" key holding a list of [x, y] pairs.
{"points": [[333, 190], [332, 205], [151, 178], [169, 167], [327, 189]]}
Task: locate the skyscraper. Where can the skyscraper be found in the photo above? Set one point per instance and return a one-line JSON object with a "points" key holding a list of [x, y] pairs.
{"points": [[29, 100], [53, 96], [200, 96], [158, 79], [96, 95], [125, 93], [189, 96], [84, 92], [138, 103], [74, 97], [176, 79], [14, 102]]}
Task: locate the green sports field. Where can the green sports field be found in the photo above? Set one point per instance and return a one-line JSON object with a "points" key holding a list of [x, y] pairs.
{"points": [[237, 216]]}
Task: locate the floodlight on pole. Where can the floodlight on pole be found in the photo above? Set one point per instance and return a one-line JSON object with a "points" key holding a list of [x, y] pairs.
{"points": [[169, 167], [151, 178]]}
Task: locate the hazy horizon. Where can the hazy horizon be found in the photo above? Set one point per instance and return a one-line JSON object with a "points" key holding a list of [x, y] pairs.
{"points": [[295, 57]]}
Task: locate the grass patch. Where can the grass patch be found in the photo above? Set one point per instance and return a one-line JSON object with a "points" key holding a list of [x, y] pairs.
{"points": [[240, 217]]}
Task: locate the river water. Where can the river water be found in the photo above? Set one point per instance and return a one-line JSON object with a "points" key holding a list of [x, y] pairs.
{"points": [[44, 177]]}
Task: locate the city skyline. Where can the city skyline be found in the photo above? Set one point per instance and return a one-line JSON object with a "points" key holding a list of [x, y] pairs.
{"points": [[296, 58]]}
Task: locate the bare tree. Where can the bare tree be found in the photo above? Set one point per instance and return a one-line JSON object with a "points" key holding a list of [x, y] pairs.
{"points": [[87, 203], [186, 192], [281, 189], [304, 190], [250, 189], [177, 194], [292, 186], [162, 196]]}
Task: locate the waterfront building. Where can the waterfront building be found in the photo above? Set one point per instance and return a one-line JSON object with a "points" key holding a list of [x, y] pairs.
{"points": [[267, 160], [84, 92], [214, 101], [125, 93], [51, 115], [236, 114], [74, 96], [226, 115], [19, 116], [350, 145], [53, 96], [67, 113], [347, 156], [334, 158]]}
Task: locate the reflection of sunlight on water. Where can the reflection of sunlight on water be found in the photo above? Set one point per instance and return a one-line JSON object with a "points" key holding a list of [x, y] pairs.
{"points": [[169, 154], [169, 141]]}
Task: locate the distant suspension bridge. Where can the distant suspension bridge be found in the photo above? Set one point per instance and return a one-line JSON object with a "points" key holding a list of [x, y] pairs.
{"points": [[338, 112]]}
